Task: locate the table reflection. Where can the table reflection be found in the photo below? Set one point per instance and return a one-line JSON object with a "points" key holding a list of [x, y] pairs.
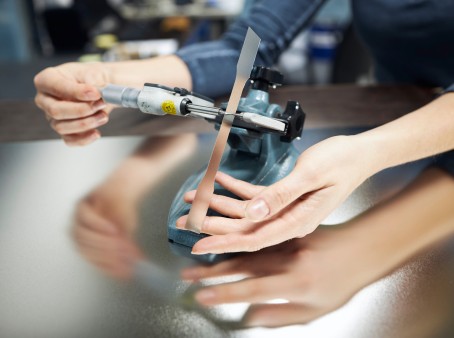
{"points": [[118, 224]]}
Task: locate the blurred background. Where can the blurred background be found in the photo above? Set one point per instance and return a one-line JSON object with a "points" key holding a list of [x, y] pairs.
{"points": [[40, 33]]}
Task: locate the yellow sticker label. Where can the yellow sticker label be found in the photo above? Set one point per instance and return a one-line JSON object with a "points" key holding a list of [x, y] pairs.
{"points": [[168, 107]]}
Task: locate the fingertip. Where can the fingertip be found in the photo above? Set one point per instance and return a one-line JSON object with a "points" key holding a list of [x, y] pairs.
{"points": [[92, 95], [99, 106], [198, 250], [207, 296], [255, 320], [259, 316], [221, 176], [181, 222], [205, 246], [83, 139], [189, 196], [190, 274], [89, 93], [95, 136]]}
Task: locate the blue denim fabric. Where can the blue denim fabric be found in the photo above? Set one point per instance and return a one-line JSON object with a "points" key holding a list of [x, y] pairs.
{"points": [[213, 64], [411, 41], [445, 161]]}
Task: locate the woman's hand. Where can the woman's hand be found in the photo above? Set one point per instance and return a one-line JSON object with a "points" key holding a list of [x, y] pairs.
{"points": [[70, 97], [315, 274], [104, 227], [324, 176], [106, 220], [322, 271]]}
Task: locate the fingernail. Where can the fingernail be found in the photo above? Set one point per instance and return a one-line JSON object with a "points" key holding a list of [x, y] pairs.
{"points": [[204, 251], [257, 210], [257, 321], [204, 247], [94, 137], [91, 95], [99, 106], [101, 119], [205, 296], [190, 274]]}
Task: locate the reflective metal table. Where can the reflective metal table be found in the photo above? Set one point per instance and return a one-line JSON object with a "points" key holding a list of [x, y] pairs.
{"points": [[48, 290]]}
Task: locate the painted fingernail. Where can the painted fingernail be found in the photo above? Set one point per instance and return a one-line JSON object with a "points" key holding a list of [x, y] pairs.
{"points": [[206, 296], [257, 210]]}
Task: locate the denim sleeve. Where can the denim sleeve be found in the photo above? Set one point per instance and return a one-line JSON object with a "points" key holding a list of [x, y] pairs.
{"points": [[445, 161], [449, 89], [213, 64]]}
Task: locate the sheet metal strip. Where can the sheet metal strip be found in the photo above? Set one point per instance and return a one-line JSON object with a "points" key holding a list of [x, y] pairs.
{"points": [[205, 189]]}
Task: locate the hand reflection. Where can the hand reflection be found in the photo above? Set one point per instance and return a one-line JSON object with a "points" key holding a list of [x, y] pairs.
{"points": [[103, 231], [322, 271], [315, 274], [106, 220]]}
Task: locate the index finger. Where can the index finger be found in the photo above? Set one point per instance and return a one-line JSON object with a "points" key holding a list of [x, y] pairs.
{"points": [[52, 82], [297, 220], [266, 234]]}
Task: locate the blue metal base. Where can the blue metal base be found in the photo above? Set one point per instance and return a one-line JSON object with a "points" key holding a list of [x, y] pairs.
{"points": [[254, 157]]}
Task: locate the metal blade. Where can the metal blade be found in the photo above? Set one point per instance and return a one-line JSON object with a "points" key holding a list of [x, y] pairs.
{"points": [[206, 187]]}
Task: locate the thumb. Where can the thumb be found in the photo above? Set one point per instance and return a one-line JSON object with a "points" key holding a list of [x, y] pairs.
{"points": [[276, 197]]}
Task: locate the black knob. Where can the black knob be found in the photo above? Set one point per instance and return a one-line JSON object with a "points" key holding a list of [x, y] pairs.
{"points": [[262, 78], [295, 117]]}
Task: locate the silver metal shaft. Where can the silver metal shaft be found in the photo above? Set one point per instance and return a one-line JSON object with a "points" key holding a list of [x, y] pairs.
{"points": [[202, 109], [120, 95], [252, 118]]}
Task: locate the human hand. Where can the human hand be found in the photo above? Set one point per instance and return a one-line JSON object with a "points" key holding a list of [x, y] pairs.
{"points": [[316, 275], [324, 176], [69, 96], [322, 271], [103, 231]]}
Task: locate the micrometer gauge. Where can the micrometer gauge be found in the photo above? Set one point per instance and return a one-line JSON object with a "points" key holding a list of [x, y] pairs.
{"points": [[155, 99], [261, 149]]}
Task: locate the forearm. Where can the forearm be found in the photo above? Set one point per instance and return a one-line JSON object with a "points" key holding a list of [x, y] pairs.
{"points": [[166, 70], [425, 132], [138, 173], [213, 64], [416, 218], [209, 68]]}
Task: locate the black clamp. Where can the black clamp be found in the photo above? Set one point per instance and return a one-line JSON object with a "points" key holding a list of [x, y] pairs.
{"points": [[294, 116]]}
